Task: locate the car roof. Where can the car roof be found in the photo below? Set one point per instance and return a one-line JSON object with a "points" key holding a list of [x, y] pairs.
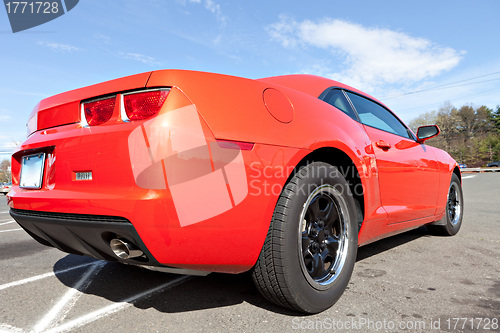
{"points": [[311, 84]]}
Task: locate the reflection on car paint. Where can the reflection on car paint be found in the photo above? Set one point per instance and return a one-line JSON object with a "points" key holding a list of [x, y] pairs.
{"points": [[172, 151]]}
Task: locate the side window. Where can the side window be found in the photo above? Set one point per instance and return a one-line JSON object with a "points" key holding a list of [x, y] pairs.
{"points": [[375, 115], [336, 98]]}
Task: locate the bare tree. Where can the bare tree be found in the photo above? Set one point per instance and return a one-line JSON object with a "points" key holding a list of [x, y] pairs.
{"points": [[5, 174], [469, 133], [428, 118]]}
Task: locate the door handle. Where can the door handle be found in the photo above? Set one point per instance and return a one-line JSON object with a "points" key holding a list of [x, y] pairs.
{"points": [[383, 145]]}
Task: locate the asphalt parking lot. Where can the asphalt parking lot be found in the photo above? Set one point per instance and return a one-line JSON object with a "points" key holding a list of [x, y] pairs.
{"points": [[412, 282]]}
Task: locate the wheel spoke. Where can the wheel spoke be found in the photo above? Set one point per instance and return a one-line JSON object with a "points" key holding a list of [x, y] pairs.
{"points": [[453, 195], [313, 210], [324, 213], [327, 260], [318, 266], [333, 218], [332, 245], [306, 241]]}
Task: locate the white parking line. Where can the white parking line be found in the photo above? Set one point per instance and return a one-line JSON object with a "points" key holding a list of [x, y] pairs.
{"points": [[5, 328], [4, 223], [70, 297], [11, 230], [113, 308], [42, 276], [467, 177], [4, 211]]}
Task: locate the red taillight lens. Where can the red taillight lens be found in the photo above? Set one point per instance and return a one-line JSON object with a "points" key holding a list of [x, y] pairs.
{"points": [[144, 105], [99, 112]]}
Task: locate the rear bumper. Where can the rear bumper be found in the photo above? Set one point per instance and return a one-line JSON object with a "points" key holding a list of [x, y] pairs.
{"points": [[82, 234]]}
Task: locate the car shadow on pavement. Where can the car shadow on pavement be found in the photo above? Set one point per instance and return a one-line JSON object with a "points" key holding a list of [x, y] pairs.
{"points": [[386, 244], [117, 282]]}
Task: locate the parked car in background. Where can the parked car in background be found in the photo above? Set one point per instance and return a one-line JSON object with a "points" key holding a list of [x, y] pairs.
{"points": [[5, 188], [189, 171], [462, 165], [494, 164]]}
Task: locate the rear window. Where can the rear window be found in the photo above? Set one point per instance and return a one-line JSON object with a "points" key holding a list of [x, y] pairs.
{"points": [[337, 98]]}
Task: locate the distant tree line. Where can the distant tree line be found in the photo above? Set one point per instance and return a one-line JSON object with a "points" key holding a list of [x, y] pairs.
{"points": [[470, 134]]}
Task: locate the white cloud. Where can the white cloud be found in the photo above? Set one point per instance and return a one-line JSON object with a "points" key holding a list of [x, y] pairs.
{"points": [[59, 46], [211, 6], [285, 31], [370, 56], [104, 39], [140, 57]]}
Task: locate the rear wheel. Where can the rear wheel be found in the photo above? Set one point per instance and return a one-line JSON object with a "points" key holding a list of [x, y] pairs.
{"points": [[452, 220], [310, 250]]}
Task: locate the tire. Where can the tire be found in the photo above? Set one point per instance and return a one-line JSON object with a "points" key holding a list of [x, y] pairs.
{"points": [[451, 222], [309, 253]]}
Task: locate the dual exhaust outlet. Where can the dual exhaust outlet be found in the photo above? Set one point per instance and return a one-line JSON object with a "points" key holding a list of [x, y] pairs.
{"points": [[123, 249]]}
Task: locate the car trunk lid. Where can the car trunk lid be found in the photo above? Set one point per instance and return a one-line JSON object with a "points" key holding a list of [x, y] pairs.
{"points": [[64, 108]]}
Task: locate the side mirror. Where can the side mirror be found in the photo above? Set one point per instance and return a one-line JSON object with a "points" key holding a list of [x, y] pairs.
{"points": [[427, 132]]}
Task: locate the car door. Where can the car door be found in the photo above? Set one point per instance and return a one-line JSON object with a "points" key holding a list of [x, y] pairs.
{"points": [[408, 171]]}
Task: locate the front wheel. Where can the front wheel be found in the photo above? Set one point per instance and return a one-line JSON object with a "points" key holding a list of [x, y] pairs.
{"points": [[309, 253], [452, 220]]}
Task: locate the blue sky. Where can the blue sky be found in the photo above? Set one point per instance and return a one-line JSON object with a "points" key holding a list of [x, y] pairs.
{"points": [[390, 49]]}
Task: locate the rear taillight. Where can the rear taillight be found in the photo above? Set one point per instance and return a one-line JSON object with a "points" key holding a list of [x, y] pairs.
{"points": [[143, 105], [100, 111], [134, 106]]}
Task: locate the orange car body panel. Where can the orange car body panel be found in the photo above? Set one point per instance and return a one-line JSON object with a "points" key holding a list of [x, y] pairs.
{"points": [[196, 205]]}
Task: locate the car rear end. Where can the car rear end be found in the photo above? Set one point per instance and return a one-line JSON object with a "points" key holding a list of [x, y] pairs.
{"points": [[129, 170], [72, 184]]}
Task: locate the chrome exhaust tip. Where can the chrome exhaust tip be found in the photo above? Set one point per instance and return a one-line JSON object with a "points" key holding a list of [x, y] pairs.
{"points": [[123, 249]]}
